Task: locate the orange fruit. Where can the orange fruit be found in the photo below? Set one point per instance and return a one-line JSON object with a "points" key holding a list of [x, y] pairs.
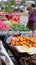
{"points": [[21, 43], [34, 45]]}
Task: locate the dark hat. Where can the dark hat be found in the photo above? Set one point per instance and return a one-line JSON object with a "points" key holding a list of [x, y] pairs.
{"points": [[33, 5]]}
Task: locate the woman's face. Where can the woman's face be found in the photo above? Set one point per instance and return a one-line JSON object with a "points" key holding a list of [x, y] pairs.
{"points": [[31, 8]]}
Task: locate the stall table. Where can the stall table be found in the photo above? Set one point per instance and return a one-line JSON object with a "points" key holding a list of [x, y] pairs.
{"points": [[22, 57]]}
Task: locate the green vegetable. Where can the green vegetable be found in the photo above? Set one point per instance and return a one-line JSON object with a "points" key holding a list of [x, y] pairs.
{"points": [[19, 27], [8, 22]]}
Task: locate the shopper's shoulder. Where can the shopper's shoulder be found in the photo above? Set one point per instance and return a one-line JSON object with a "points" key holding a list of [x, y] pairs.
{"points": [[34, 12]]}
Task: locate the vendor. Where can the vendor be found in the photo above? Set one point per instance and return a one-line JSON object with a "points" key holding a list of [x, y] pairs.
{"points": [[32, 19]]}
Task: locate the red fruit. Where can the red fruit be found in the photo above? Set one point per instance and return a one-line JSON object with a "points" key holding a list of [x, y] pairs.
{"points": [[3, 25], [0, 27]]}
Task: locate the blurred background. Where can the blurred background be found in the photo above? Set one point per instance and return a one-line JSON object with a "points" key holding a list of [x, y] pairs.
{"points": [[18, 5]]}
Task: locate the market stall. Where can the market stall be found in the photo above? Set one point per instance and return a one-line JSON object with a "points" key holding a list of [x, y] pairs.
{"points": [[21, 45], [23, 51]]}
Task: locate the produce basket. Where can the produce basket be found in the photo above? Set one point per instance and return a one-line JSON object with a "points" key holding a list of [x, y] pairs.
{"points": [[23, 54], [28, 46]]}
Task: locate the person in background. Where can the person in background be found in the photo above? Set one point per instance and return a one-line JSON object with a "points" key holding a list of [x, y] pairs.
{"points": [[31, 8], [32, 19]]}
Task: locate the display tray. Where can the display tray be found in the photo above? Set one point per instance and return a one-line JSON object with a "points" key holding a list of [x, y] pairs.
{"points": [[21, 54], [6, 32], [11, 41], [24, 49]]}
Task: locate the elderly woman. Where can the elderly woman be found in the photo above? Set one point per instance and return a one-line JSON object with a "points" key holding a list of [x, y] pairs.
{"points": [[32, 19]]}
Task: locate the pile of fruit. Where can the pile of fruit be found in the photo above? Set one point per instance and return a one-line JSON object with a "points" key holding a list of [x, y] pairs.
{"points": [[4, 26], [19, 27], [13, 22], [8, 22], [21, 41], [3, 18], [14, 16], [3, 13]]}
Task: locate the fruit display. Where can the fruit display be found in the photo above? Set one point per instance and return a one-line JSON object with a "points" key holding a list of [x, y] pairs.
{"points": [[4, 26], [3, 13], [14, 16], [19, 27], [13, 22], [3, 18], [21, 41], [8, 22]]}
